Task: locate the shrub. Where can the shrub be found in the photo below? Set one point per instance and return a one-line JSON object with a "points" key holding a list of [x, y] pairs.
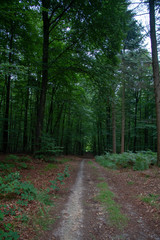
{"points": [[48, 147], [6, 167], [11, 185], [138, 161], [60, 178], [50, 166], [25, 159], [6, 232]]}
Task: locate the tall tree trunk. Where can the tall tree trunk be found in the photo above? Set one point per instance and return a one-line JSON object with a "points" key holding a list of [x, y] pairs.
{"points": [[98, 136], [41, 110], [113, 128], [155, 67], [146, 130], [25, 138], [123, 118], [50, 115], [62, 129], [108, 128], [6, 116], [135, 122], [129, 133]]}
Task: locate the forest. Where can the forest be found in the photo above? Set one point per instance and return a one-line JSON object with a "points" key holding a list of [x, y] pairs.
{"points": [[76, 77], [79, 120]]}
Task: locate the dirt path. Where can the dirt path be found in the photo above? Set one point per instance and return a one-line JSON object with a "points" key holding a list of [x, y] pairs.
{"points": [[71, 225], [84, 218]]}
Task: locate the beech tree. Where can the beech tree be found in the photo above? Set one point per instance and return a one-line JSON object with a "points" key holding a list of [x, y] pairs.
{"points": [[155, 66]]}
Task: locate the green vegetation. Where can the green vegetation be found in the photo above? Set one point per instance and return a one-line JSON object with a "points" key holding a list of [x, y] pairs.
{"points": [[90, 162], [12, 158], [151, 199], [12, 188], [59, 179], [15, 162], [64, 160], [130, 183], [7, 231], [106, 197], [64, 100], [43, 219], [50, 166], [136, 161]]}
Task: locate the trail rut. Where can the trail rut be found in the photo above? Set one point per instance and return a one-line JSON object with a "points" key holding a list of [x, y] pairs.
{"points": [[72, 215]]}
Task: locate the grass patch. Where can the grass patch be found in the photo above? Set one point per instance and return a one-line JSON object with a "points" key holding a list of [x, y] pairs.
{"points": [[151, 199], [101, 179], [130, 182], [106, 197], [90, 162], [50, 166], [64, 160], [43, 220], [94, 167]]}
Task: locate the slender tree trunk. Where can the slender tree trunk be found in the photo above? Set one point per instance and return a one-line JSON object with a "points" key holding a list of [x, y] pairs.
{"points": [[146, 130], [123, 118], [98, 136], [113, 128], [155, 67], [3, 94], [41, 110], [108, 128], [53, 130], [25, 139], [135, 122], [50, 115], [6, 116], [62, 131], [129, 133]]}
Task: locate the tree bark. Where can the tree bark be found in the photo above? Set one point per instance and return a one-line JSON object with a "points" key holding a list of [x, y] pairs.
{"points": [[155, 67], [113, 128], [6, 116], [123, 118], [135, 122], [40, 118], [25, 135]]}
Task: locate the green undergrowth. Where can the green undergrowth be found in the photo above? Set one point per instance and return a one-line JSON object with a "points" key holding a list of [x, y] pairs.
{"points": [[106, 198], [59, 180], [151, 199], [90, 162], [50, 166], [12, 188], [15, 162], [137, 161], [43, 219]]}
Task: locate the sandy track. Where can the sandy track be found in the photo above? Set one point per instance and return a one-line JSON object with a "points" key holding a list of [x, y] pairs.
{"points": [[72, 215]]}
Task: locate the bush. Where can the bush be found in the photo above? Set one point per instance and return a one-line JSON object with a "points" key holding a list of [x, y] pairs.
{"points": [[13, 158], [48, 147], [137, 161], [24, 159], [11, 186], [60, 178]]}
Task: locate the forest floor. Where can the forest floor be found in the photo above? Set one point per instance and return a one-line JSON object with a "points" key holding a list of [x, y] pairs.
{"points": [[94, 203]]}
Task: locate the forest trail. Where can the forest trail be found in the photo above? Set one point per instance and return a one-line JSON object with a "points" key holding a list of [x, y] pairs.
{"points": [[84, 217], [71, 226]]}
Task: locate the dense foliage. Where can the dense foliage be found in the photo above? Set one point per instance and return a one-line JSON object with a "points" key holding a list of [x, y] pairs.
{"points": [[74, 78], [136, 161]]}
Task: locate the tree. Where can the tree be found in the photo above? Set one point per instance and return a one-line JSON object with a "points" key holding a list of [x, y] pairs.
{"points": [[155, 67]]}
